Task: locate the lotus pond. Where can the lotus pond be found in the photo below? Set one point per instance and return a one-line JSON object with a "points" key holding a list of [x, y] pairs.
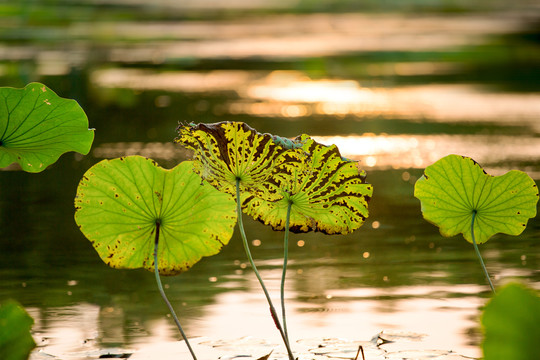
{"points": [[395, 88]]}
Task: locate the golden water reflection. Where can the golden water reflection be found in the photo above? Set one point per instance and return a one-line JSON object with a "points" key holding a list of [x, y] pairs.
{"points": [[185, 81], [298, 36], [348, 97], [419, 151], [292, 94], [496, 152], [264, 36], [85, 331]]}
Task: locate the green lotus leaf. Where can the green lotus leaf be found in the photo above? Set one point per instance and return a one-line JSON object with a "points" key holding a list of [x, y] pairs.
{"points": [[37, 126], [511, 322], [16, 342], [120, 202], [228, 151], [456, 187], [326, 194]]}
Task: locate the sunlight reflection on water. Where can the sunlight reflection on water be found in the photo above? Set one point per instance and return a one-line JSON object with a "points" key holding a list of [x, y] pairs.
{"points": [[292, 95], [355, 314], [496, 152], [304, 36], [434, 102], [419, 151]]}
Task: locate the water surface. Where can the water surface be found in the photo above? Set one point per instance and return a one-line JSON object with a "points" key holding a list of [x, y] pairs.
{"points": [[395, 91]]}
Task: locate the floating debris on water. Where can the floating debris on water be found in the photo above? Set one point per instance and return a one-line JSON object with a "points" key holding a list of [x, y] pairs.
{"points": [[251, 348]]}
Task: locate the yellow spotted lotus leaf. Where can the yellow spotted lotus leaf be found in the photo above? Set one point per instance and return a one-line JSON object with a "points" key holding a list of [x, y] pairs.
{"points": [[227, 151], [327, 193], [121, 203]]}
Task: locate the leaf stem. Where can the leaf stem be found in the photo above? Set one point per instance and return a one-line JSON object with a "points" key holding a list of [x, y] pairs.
{"points": [[162, 292], [252, 263], [285, 259], [478, 253]]}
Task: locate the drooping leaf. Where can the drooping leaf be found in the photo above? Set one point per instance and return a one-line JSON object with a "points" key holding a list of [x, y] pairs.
{"points": [[120, 201], [511, 322], [326, 193], [16, 342], [37, 126], [229, 150], [456, 187]]}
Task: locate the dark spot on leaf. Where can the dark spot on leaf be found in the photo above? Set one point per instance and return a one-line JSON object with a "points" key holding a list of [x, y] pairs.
{"points": [[519, 213]]}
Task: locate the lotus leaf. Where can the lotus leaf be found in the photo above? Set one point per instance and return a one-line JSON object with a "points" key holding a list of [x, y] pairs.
{"points": [[120, 203], [326, 194], [511, 322], [16, 342], [37, 126], [227, 151], [456, 188]]}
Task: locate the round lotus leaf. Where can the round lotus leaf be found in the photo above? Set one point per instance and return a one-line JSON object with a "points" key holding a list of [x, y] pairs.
{"points": [[326, 193], [227, 151], [119, 203], [456, 187], [37, 126]]}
